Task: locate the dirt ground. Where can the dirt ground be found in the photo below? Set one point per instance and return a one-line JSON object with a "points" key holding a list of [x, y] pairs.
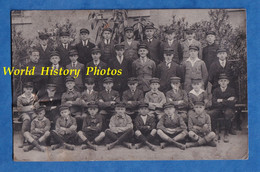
{"points": [[237, 148]]}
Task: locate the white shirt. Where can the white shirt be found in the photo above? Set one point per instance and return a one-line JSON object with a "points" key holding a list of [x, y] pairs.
{"points": [[170, 42], [74, 64], [65, 46], [107, 41], [55, 66], [89, 91], [143, 59], [193, 61], [120, 59], [223, 89], [44, 47], [129, 41], [197, 93], [223, 63], [96, 63], [168, 63], [85, 43], [144, 118]]}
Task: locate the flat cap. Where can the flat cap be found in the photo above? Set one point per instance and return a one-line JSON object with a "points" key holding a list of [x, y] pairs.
{"points": [[128, 28], [143, 104], [132, 80], [193, 47], [221, 50], [64, 34], [223, 76], [142, 45], [92, 105], [107, 80], [28, 84], [168, 51], [84, 30], [196, 80], [210, 33], [42, 107], [154, 80], [149, 26], [120, 104], [43, 36], [63, 107], [107, 29], [54, 53], [199, 103], [175, 79], [51, 85], [73, 52], [70, 79], [95, 50], [168, 105], [169, 31], [89, 80], [119, 46]]}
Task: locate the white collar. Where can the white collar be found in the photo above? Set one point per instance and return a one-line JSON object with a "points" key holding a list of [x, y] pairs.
{"points": [[195, 93], [170, 41], [144, 118], [75, 63], [96, 63], [89, 91], [120, 59], [84, 41], [143, 59], [192, 62], [223, 89]]}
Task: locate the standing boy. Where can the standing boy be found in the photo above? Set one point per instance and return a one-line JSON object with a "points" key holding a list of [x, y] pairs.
{"points": [[131, 46], [63, 48], [44, 49]]}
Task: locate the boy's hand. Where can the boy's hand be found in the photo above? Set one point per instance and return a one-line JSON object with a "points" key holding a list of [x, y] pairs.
{"points": [[219, 100], [231, 99], [112, 102], [100, 100], [180, 101], [130, 102], [205, 128]]}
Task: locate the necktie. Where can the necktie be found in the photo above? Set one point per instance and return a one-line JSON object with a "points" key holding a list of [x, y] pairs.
{"points": [[66, 121], [169, 65], [74, 65]]}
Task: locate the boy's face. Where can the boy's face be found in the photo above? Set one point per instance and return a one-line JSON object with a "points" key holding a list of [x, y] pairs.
{"points": [[176, 85], [143, 111], [120, 52], [70, 85], [120, 110], [84, 36], [193, 53], [190, 36], [44, 42], [65, 113], [222, 55], [28, 90], [223, 83], [55, 59], [35, 56], [149, 33], [199, 109], [92, 111], [73, 58], [51, 89], [107, 35], [41, 114], [210, 39], [196, 86], [143, 52], [169, 111], [89, 86], [129, 34], [132, 86], [168, 57], [64, 39], [170, 36], [154, 86], [96, 56], [108, 85]]}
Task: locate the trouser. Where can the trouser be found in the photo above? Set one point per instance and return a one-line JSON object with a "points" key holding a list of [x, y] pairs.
{"points": [[66, 138], [143, 136], [177, 136], [38, 137], [202, 139], [120, 137]]}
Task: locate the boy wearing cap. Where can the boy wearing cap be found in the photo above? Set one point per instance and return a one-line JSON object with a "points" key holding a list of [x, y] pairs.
{"points": [[167, 69], [121, 62], [155, 98], [107, 45], [173, 44], [40, 131], [84, 47], [50, 98], [209, 53], [89, 95], [199, 126], [73, 55], [97, 63], [152, 43], [143, 68], [91, 128], [171, 127], [44, 49], [131, 45], [65, 130], [222, 65], [224, 99], [26, 104], [190, 40], [194, 67], [55, 65], [133, 96], [64, 47], [144, 125], [120, 129], [178, 97]]}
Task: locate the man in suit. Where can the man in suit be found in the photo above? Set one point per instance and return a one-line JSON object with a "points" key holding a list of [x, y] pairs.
{"points": [[153, 44], [121, 62], [73, 55], [44, 49], [172, 43], [131, 46], [64, 47], [84, 47]]}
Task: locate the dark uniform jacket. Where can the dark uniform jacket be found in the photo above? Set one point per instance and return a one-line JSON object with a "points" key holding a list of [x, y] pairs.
{"points": [[135, 97], [198, 120], [107, 50], [154, 50], [174, 97], [59, 80], [84, 52], [176, 46], [209, 54], [64, 54], [140, 125], [107, 97], [94, 122], [44, 55], [218, 94], [131, 50], [174, 123]]}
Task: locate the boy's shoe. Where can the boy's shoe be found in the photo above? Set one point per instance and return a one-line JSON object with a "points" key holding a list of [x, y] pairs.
{"points": [[191, 144], [128, 145], [226, 140], [69, 147], [151, 146], [91, 146], [28, 148], [212, 143], [163, 145], [84, 147], [53, 147], [138, 145], [233, 132]]}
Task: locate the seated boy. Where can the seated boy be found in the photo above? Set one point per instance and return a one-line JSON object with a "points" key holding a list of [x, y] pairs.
{"points": [[120, 129], [145, 127], [133, 96], [199, 126], [171, 127], [89, 95], [65, 130], [155, 98], [224, 100], [91, 128], [178, 97], [72, 98], [26, 104], [40, 131]]}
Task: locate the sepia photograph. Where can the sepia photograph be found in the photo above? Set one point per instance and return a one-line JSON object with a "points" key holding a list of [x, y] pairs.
{"points": [[113, 85]]}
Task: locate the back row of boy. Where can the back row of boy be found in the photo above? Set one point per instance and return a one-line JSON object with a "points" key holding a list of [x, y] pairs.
{"points": [[169, 117]]}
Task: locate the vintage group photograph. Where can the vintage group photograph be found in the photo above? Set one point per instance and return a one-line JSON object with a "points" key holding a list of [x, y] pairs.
{"points": [[160, 84]]}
